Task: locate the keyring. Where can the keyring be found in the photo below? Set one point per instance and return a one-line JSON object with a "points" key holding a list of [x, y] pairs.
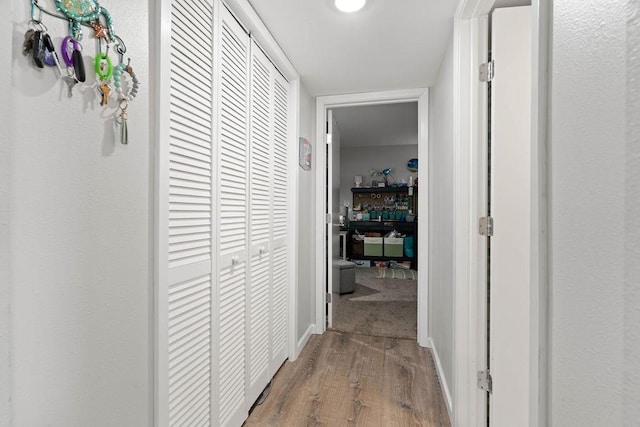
{"points": [[117, 80], [98, 66], [37, 26], [66, 52]]}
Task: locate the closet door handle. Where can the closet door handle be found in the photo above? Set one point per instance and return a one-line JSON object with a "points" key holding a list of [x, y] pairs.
{"points": [[262, 250], [235, 260]]}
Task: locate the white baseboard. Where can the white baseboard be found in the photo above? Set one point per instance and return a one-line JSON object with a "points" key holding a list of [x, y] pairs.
{"points": [[442, 379], [304, 339], [317, 329]]}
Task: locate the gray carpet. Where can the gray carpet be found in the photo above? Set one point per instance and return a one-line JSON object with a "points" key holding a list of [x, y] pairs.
{"points": [[379, 307]]}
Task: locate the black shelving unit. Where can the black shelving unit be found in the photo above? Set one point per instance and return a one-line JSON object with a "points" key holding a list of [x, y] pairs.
{"points": [[375, 197], [384, 227]]}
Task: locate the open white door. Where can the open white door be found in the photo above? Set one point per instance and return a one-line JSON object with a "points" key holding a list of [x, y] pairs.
{"points": [[510, 207], [333, 209]]}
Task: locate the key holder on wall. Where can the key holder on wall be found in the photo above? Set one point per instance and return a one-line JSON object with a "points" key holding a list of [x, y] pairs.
{"points": [[84, 13]]}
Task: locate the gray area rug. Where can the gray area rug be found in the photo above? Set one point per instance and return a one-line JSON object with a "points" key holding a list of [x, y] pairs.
{"points": [[379, 307]]}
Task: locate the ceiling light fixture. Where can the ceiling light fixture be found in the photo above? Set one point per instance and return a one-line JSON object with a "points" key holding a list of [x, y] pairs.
{"points": [[349, 6]]}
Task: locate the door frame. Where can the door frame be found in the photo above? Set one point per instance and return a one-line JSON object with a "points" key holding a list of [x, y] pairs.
{"points": [[323, 103], [470, 291]]}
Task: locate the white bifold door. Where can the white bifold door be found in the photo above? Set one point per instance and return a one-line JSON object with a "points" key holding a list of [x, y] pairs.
{"points": [[184, 301], [268, 223], [223, 243], [232, 217]]}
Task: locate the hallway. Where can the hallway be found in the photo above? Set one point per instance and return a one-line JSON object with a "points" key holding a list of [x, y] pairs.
{"points": [[347, 379]]}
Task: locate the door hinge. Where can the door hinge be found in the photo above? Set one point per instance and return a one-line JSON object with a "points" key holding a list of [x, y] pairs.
{"points": [[485, 382], [328, 298], [486, 226], [487, 71], [327, 218]]}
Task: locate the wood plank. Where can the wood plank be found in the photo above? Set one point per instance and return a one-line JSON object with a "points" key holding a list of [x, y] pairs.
{"points": [[343, 379]]}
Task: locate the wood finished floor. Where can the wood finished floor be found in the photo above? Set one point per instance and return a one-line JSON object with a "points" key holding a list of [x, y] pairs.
{"points": [[343, 379]]}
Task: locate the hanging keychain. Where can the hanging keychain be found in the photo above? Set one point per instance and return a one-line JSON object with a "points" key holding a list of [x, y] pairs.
{"points": [[104, 71], [124, 99], [124, 130], [38, 45], [68, 48]]}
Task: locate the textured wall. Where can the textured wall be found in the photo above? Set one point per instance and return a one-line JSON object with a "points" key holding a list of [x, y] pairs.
{"points": [[81, 217], [5, 182], [441, 215], [306, 220], [632, 220], [587, 212]]}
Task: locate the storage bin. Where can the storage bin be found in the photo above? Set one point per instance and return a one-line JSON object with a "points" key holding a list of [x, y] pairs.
{"points": [[393, 246], [373, 246]]}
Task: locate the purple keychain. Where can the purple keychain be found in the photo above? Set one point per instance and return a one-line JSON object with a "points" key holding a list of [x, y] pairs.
{"points": [[68, 49], [75, 58]]}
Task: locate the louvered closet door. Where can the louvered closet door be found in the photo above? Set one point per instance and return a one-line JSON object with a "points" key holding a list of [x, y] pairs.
{"points": [[189, 179], [232, 220], [280, 253], [260, 172]]}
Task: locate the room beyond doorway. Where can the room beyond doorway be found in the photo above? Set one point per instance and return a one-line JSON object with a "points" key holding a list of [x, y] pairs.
{"points": [[323, 105], [374, 184]]}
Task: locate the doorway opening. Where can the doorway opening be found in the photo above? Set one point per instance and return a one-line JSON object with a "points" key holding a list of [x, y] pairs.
{"points": [[374, 186], [337, 205]]}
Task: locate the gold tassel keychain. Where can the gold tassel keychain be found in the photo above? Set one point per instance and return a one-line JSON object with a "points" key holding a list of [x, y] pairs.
{"points": [[124, 132]]}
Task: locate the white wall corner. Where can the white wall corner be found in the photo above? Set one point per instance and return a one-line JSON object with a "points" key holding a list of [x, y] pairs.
{"points": [[441, 378], [320, 252], [423, 230], [304, 339], [294, 172]]}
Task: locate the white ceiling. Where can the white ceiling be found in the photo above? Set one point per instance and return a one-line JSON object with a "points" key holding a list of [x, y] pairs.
{"points": [[376, 125], [388, 45]]}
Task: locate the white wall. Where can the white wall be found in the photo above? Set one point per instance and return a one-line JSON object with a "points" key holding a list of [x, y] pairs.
{"points": [[587, 214], [306, 220], [632, 222], [80, 234], [360, 160], [5, 176], [441, 215]]}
